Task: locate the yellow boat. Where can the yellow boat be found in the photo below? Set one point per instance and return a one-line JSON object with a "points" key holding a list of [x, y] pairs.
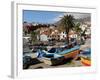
{"points": [[85, 61]]}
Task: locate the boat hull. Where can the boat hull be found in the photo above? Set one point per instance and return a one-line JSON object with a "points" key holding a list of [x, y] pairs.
{"points": [[72, 54], [85, 62], [54, 61]]}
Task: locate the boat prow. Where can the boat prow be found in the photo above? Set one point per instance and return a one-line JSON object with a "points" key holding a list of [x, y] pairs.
{"points": [[85, 61]]}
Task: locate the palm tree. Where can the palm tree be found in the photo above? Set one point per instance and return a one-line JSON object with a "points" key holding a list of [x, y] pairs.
{"points": [[77, 29], [67, 22], [80, 33]]}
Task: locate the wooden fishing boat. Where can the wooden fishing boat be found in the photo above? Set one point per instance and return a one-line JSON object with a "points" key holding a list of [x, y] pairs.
{"points": [[57, 55], [85, 61], [67, 53], [85, 56]]}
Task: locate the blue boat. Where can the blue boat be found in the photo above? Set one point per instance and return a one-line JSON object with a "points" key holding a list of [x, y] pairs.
{"points": [[49, 58], [86, 53], [67, 53], [58, 54]]}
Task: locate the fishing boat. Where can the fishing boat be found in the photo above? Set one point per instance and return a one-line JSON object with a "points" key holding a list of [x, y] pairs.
{"points": [[85, 61], [67, 53], [70, 53], [86, 52], [49, 58], [86, 57], [58, 54]]}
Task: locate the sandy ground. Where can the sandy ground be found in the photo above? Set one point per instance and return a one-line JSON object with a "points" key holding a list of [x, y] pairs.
{"points": [[43, 65]]}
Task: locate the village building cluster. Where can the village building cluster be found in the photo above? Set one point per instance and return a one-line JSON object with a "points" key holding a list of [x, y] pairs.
{"points": [[49, 32]]}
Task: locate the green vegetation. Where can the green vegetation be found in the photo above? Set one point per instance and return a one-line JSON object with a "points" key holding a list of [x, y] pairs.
{"points": [[78, 30], [33, 36]]}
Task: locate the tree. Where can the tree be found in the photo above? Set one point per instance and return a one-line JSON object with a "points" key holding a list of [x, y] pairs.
{"points": [[67, 22], [78, 30], [80, 33], [33, 36]]}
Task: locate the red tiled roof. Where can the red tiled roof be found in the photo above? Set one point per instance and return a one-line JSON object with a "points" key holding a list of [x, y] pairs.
{"points": [[45, 32]]}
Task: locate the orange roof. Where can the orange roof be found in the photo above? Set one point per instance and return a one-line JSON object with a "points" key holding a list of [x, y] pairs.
{"points": [[45, 32]]}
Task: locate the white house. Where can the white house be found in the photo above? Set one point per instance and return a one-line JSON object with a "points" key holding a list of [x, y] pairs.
{"points": [[43, 37], [83, 26], [62, 35], [86, 27], [72, 34]]}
